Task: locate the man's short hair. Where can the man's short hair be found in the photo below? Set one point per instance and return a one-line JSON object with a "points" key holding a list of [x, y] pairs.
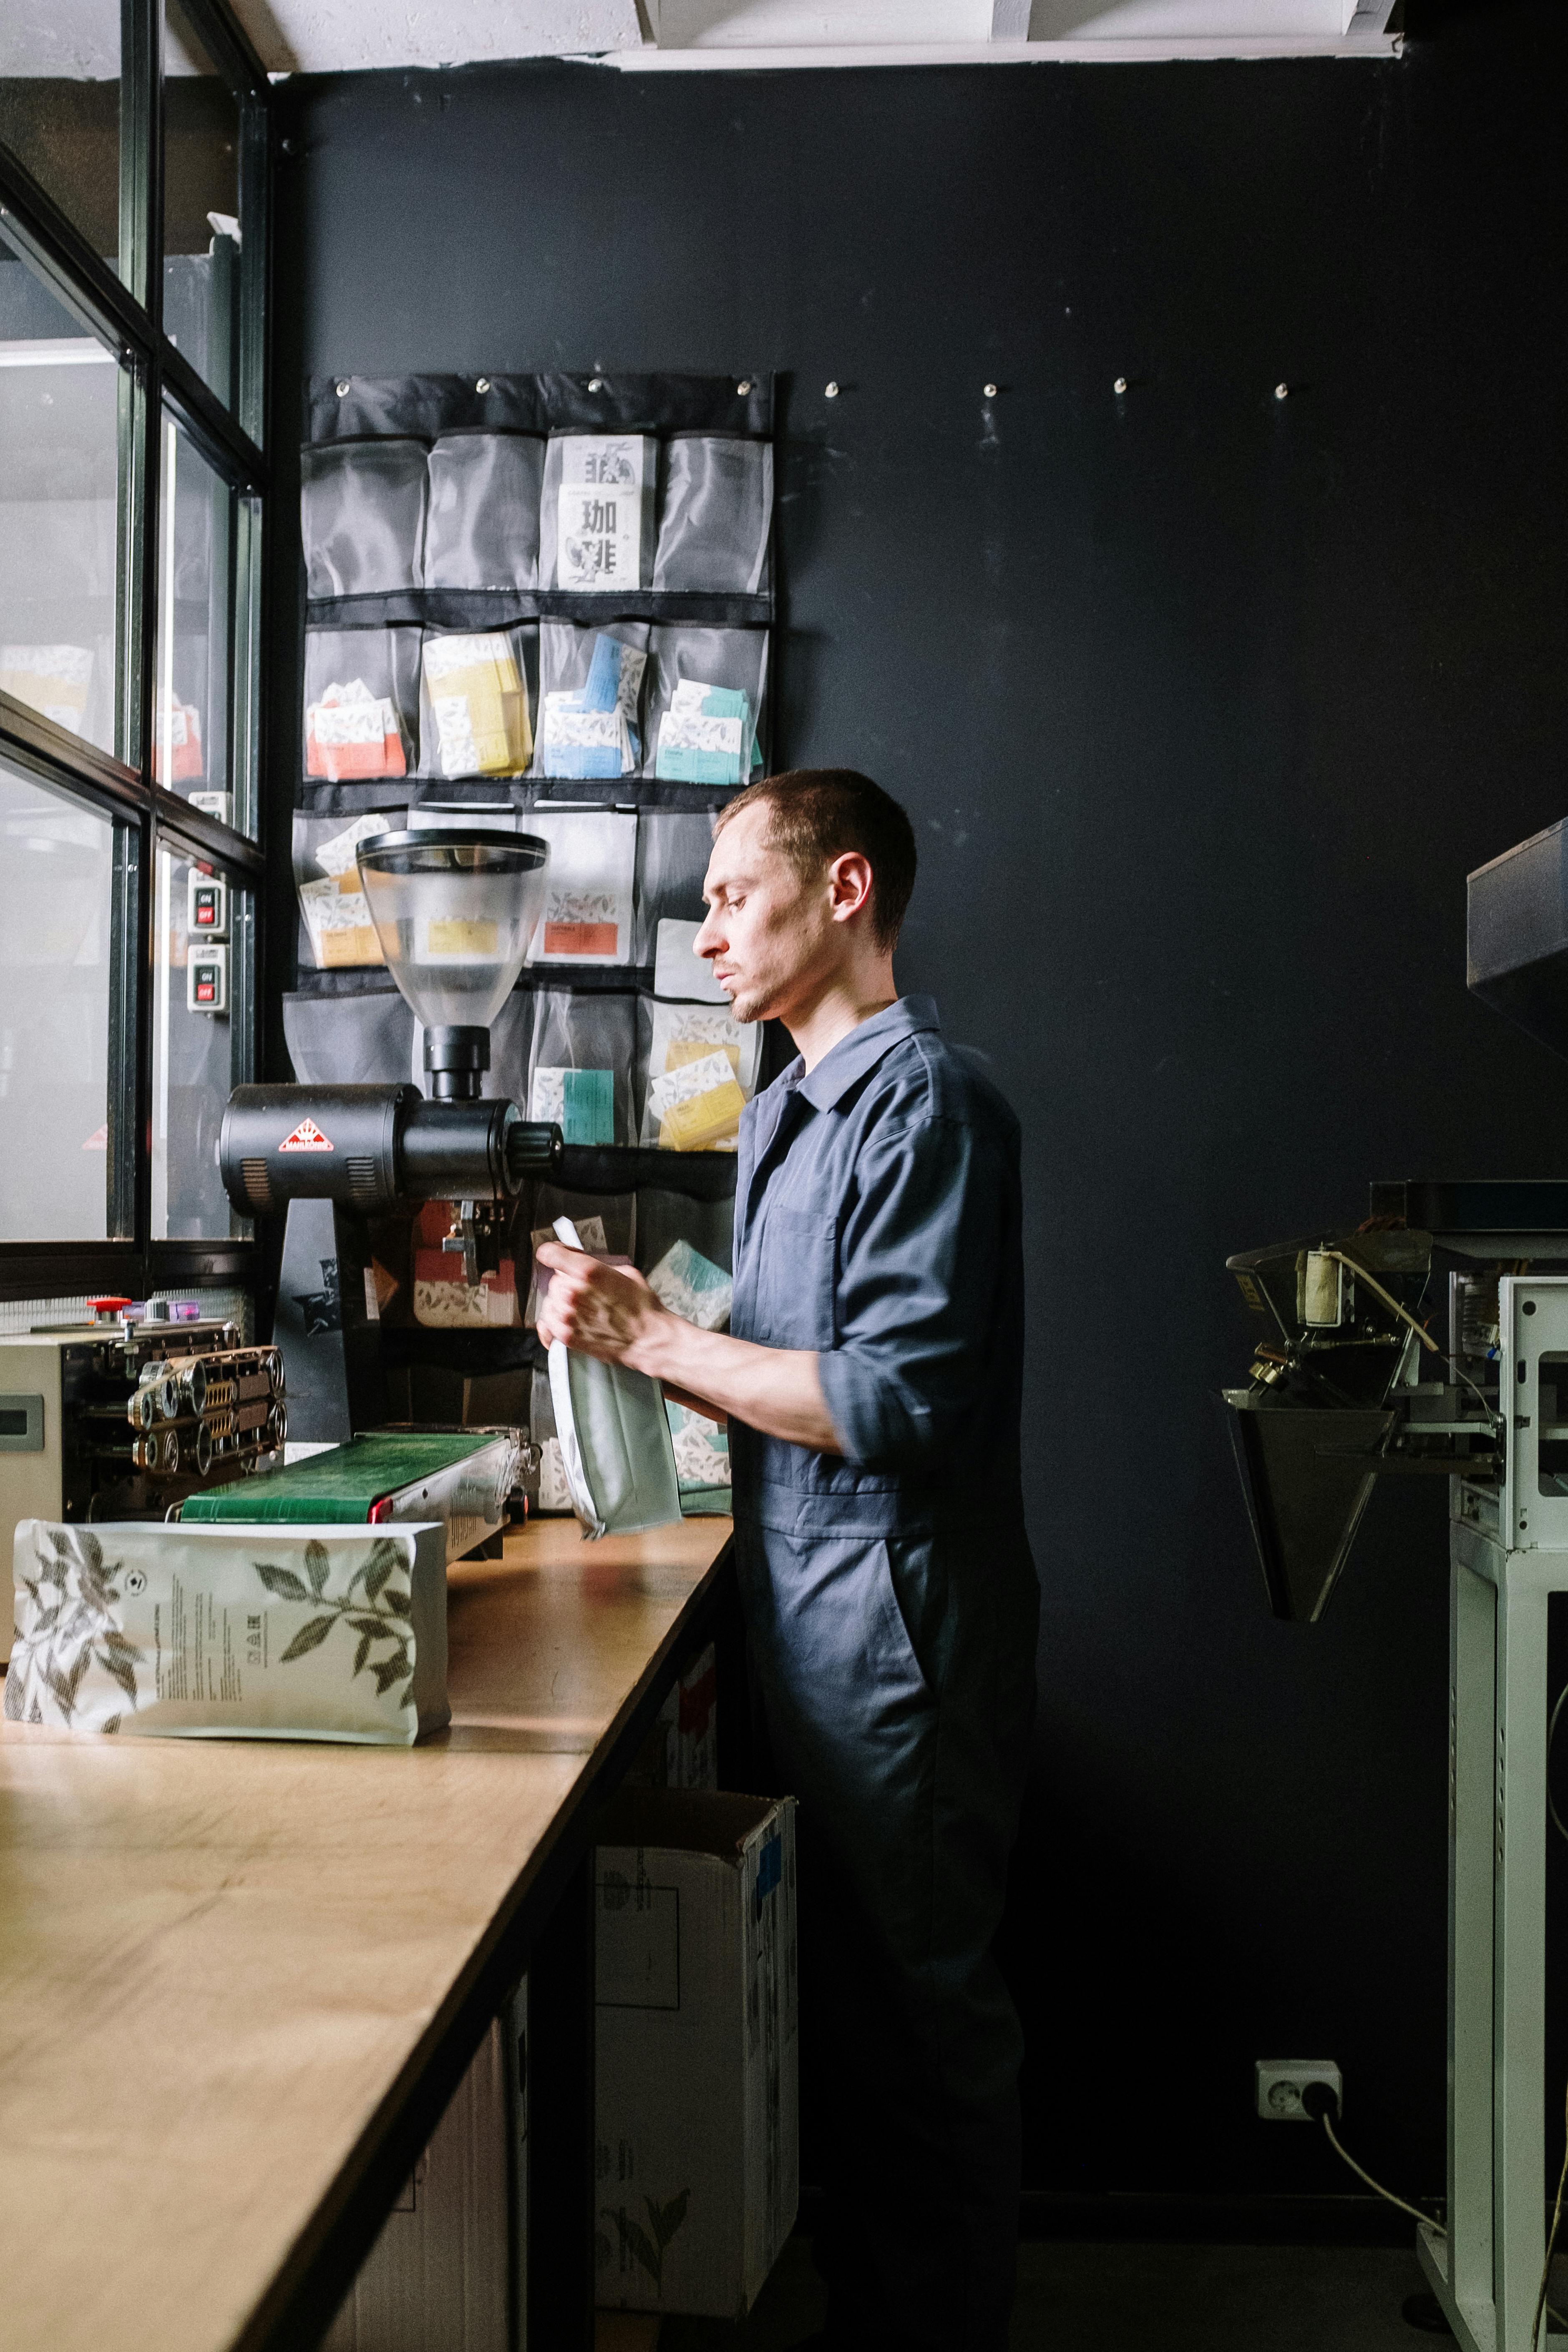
{"points": [[815, 814]]}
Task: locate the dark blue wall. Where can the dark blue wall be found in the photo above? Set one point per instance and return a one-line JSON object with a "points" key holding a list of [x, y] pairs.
{"points": [[1203, 704]]}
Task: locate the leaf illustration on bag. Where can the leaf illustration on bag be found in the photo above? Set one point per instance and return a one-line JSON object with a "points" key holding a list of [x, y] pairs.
{"points": [[282, 1580], [389, 1671], [636, 2242], [384, 1557], [383, 1615], [116, 1662], [666, 2219], [309, 1637]]}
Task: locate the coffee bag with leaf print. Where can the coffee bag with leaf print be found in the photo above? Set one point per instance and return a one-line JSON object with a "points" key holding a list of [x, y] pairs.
{"points": [[225, 1632]]}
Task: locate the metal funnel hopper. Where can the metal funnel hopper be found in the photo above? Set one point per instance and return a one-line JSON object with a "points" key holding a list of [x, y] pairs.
{"points": [[1307, 1474]]}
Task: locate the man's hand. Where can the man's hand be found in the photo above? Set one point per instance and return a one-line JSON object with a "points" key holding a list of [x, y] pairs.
{"points": [[609, 1312], [600, 1310]]}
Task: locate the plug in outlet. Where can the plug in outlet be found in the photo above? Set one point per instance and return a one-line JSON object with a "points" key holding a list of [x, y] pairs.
{"points": [[1282, 2080]]}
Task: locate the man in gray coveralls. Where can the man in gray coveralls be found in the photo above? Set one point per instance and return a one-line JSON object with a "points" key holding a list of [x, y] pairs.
{"points": [[871, 1379]]}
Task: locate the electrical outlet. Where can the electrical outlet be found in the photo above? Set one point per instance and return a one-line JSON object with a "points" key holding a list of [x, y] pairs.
{"points": [[1282, 2080]]}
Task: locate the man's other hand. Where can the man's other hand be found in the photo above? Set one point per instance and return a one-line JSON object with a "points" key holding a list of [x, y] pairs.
{"points": [[600, 1310]]}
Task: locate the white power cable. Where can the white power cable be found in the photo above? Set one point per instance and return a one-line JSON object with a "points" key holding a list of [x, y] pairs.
{"points": [[1376, 2186], [1542, 2306]]}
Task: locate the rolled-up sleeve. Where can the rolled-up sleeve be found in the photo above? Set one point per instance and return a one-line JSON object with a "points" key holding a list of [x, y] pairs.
{"points": [[919, 1260]]}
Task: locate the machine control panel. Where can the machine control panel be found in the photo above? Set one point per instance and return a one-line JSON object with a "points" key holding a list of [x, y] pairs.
{"points": [[207, 977], [206, 908]]}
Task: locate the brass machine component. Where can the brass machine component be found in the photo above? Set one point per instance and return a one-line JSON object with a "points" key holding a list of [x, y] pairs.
{"points": [[1352, 1385]]}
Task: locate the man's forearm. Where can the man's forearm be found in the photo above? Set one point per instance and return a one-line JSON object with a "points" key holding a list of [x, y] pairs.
{"points": [[776, 1390]]}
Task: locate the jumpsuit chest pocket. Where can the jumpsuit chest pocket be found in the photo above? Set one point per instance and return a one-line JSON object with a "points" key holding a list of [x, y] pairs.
{"points": [[795, 1279]]}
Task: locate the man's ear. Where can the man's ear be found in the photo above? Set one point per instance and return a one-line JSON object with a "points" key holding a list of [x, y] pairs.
{"points": [[850, 883]]}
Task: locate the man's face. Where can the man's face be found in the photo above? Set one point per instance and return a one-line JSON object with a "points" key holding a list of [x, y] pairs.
{"points": [[768, 934]]}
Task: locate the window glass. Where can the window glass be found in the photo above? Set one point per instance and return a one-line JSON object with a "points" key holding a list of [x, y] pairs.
{"points": [[56, 886], [59, 528], [197, 1055], [195, 601], [201, 207], [60, 108]]}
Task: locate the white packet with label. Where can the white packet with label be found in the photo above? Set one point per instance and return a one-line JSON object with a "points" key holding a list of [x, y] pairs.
{"points": [[231, 1631], [616, 1445]]}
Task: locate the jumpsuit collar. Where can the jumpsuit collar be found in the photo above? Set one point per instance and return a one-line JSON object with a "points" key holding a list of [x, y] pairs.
{"points": [[843, 1065]]}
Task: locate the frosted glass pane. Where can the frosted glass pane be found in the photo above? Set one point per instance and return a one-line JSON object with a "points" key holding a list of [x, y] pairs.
{"points": [[56, 904]]}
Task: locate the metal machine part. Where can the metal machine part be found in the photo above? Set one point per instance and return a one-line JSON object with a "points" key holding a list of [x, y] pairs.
{"points": [[1349, 1383], [470, 1479], [1435, 1340], [455, 914], [120, 1420], [372, 1147]]}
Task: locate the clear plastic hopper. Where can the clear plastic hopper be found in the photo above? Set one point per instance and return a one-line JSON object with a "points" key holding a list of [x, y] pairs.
{"points": [[455, 913]]}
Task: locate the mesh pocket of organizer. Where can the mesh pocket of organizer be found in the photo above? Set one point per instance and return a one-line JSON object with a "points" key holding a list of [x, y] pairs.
{"points": [[596, 511], [348, 1041], [701, 1071], [361, 516], [605, 1221], [580, 1066], [686, 1249], [714, 512], [590, 694], [332, 908], [704, 704], [473, 705], [673, 849], [482, 529], [587, 914], [361, 688]]}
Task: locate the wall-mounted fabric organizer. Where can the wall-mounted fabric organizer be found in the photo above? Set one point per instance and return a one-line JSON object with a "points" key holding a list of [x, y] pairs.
{"points": [[425, 499], [546, 599], [535, 582]]}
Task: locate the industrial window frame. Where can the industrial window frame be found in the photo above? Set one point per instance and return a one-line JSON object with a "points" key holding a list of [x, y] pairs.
{"points": [[126, 312]]}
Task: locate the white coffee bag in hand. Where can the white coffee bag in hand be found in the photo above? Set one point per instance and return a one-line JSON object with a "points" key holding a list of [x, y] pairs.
{"points": [[230, 1632]]}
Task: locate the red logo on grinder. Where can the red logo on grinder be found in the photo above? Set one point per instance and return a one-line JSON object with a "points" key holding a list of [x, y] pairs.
{"points": [[306, 1136]]}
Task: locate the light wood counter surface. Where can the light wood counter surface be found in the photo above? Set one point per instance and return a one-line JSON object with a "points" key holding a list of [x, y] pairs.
{"points": [[224, 1965]]}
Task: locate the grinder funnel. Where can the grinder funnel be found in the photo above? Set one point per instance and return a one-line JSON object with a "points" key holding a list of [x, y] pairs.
{"points": [[455, 913]]}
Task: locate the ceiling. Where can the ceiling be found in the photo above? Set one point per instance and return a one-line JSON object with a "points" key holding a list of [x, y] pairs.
{"points": [[80, 38]]}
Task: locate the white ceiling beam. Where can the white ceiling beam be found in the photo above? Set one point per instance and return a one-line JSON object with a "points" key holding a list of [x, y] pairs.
{"points": [[739, 59], [750, 35]]}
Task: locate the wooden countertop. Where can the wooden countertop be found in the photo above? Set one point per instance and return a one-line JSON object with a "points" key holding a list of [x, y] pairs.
{"points": [[223, 1965]]}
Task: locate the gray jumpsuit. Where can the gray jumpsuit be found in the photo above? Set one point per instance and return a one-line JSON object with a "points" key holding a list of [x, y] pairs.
{"points": [[892, 1611]]}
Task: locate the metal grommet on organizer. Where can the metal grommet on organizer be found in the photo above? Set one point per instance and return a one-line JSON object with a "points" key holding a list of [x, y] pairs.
{"points": [[596, 384], [342, 387], [744, 386], [483, 384], [832, 392]]}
